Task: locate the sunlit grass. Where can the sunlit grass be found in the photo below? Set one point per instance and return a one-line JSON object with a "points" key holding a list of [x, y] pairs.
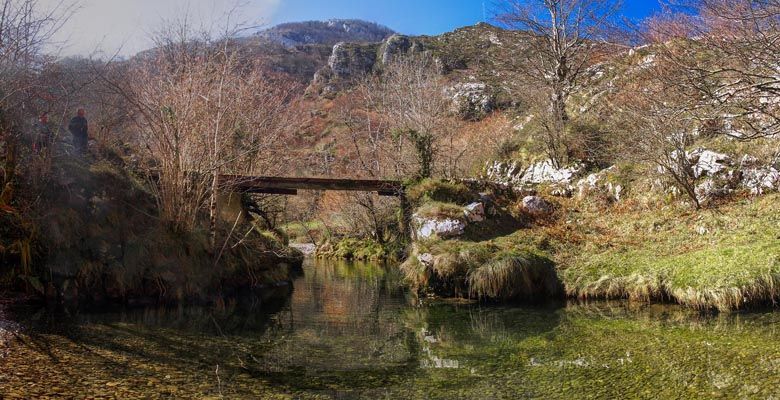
{"points": [[725, 258]]}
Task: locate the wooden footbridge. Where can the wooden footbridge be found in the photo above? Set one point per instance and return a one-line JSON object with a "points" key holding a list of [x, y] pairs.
{"points": [[290, 186]]}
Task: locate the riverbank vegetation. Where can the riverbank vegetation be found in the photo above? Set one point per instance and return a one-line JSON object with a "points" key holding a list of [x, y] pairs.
{"points": [[141, 215], [724, 258], [539, 157]]}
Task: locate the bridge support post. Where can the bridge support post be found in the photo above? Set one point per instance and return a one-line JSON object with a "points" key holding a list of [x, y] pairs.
{"points": [[405, 217]]}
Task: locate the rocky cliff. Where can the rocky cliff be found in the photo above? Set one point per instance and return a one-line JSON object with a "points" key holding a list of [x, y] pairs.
{"points": [[478, 62], [327, 32]]}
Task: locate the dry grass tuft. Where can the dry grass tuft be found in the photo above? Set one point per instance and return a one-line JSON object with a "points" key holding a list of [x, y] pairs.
{"points": [[514, 275]]}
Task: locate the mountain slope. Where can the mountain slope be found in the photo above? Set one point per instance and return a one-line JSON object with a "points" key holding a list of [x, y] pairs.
{"points": [[327, 32]]}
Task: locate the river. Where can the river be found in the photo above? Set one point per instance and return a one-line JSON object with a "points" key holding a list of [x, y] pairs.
{"points": [[351, 330]]}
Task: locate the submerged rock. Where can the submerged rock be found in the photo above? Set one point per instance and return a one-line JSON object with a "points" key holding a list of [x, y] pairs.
{"points": [[305, 248]]}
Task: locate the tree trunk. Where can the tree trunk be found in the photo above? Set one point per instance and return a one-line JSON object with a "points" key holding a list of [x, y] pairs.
{"points": [[9, 165], [423, 143], [213, 212], [405, 218]]}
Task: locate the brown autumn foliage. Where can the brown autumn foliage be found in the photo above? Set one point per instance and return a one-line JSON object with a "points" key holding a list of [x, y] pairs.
{"points": [[202, 111], [726, 58]]}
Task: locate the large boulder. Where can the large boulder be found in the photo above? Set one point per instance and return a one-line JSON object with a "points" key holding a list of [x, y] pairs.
{"points": [[599, 183], [347, 62], [537, 206], [547, 172], [397, 45], [425, 259], [520, 178], [712, 188], [756, 178], [351, 60], [474, 212], [708, 163], [444, 228]]}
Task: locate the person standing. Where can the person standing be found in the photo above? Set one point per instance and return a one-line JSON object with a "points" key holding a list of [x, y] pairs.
{"points": [[43, 137], [78, 128]]}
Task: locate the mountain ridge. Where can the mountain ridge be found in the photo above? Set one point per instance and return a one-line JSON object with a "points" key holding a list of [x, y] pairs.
{"points": [[327, 32]]}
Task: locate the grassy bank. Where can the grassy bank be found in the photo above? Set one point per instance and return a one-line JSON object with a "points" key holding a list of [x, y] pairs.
{"points": [[96, 238], [356, 249], [727, 257], [484, 270], [724, 257]]}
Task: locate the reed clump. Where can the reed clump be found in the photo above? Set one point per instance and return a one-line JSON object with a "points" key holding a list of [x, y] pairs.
{"points": [[481, 270]]}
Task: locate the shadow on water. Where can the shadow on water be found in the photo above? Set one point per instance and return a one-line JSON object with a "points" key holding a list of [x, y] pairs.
{"points": [[351, 330]]}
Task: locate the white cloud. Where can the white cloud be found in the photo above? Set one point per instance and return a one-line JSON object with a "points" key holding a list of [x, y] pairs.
{"points": [[124, 26]]}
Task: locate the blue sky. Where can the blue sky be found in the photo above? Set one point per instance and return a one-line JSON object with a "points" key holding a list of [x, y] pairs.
{"points": [[415, 17], [124, 26]]}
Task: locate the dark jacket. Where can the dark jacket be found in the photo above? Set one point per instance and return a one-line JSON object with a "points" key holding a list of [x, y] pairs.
{"points": [[78, 128]]}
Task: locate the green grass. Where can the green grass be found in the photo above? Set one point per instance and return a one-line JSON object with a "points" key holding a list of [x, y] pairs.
{"points": [[484, 270], [355, 249], [305, 232], [432, 190], [724, 259], [434, 209], [514, 274]]}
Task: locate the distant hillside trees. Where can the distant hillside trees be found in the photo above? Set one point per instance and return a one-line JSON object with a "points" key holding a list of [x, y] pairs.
{"points": [[565, 38], [409, 97], [329, 32]]}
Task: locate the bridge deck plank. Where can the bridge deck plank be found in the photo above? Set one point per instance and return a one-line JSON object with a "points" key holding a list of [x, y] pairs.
{"points": [[262, 184]]}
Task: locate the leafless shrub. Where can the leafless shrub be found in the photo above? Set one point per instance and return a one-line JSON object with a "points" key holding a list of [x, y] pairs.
{"points": [[25, 28], [202, 112], [727, 52]]}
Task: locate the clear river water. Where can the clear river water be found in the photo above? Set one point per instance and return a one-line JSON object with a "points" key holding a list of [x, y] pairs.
{"points": [[351, 330]]}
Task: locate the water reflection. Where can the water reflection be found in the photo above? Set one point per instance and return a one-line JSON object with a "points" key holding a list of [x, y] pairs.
{"points": [[352, 331]]}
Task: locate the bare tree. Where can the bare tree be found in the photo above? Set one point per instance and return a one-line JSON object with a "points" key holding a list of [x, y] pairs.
{"points": [[565, 38], [656, 122], [203, 112], [408, 99], [25, 28], [728, 51]]}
